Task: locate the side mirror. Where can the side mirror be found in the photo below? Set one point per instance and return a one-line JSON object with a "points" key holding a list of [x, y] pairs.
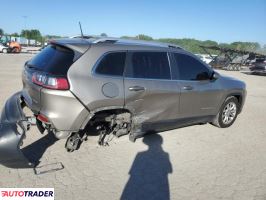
{"points": [[214, 76]]}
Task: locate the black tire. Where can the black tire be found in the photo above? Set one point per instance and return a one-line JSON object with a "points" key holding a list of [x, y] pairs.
{"points": [[218, 120], [15, 50], [4, 51]]}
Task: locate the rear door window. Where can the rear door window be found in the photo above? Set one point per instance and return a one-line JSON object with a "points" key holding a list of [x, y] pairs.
{"points": [[53, 59], [112, 64], [190, 68], [150, 65]]}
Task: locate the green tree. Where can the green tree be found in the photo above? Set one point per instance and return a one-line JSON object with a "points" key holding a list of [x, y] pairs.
{"points": [[225, 45], [33, 34], [264, 48], [15, 34], [127, 37], [249, 46], [143, 37], [193, 45], [103, 34], [51, 37], [1, 31]]}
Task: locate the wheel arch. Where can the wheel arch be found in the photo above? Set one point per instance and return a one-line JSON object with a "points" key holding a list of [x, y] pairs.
{"points": [[111, 110], [238, 96]]}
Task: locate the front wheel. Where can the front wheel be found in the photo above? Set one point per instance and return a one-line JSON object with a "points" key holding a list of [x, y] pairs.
{"points": [[228, 113]]}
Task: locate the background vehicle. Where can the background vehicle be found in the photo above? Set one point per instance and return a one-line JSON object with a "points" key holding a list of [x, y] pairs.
{"points": [[3, 48], [14, 47], [231, 58], [259, 66], [117, 87], [205, 58]]}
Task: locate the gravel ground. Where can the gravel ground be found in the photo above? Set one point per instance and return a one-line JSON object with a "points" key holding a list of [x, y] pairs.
{"points": [[197, 162]]}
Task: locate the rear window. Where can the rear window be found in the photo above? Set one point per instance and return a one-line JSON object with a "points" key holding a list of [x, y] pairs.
{"points": [[53, 59], [112, 64]]}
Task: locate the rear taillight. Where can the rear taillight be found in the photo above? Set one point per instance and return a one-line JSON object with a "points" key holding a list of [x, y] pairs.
{"points": [[42, 118], [50, 82]]}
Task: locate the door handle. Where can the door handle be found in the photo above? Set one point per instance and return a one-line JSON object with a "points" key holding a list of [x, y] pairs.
{"points": [[136, 88], [187, 87]]}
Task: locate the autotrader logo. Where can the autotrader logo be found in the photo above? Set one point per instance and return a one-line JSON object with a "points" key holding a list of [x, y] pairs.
{"points": [[27, 193]]}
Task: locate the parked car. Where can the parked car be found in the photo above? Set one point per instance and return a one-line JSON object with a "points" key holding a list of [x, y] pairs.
{"points": [[115, 87], [13, 45], [258, 67], [206, 58], [3, 48]]}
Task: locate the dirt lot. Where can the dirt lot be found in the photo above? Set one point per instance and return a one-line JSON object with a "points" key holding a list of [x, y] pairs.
{"points": [[197, 162]]}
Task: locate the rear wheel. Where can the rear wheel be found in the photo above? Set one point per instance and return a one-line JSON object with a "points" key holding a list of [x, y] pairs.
{"points": [[228, 113], [4, 50], [73, 142]]}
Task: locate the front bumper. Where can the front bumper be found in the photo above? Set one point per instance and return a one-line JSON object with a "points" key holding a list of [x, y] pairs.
{"points": [[13, 127]]}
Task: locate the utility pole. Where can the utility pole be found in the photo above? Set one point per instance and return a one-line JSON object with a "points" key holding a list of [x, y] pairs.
{"points": [[25, 28]]}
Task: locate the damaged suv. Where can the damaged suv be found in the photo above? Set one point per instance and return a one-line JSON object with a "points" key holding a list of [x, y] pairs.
{"points": [[114, 87]]}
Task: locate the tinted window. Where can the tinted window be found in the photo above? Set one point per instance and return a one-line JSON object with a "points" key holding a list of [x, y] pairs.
{"points": [[153, 65], [190, 68], [53, 59], [112, 64]]}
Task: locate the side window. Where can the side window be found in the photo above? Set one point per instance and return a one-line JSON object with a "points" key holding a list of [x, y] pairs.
{"points": [[153, 65], [112, 64], [190, 68]]}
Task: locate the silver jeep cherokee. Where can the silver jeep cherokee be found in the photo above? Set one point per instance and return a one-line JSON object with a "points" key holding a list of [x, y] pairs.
{"points": [[109, 86]]}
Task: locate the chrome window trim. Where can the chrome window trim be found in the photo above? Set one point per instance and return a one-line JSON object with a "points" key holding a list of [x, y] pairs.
{"points": [[95, 74]]}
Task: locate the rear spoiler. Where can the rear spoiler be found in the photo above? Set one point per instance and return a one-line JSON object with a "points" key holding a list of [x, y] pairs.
{"points": [[75, 44]]}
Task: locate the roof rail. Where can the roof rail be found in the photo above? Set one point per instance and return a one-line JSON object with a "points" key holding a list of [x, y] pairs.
{"points": [[134, 42], [148, 43], [174, 46], [108, 40], [83, 37]]}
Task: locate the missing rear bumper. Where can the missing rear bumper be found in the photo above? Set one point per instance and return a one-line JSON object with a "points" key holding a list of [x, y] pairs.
{"points": [[13, 127]]}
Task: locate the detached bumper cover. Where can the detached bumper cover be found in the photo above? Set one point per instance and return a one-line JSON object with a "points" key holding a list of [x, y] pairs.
{"points": [[13, 127]]}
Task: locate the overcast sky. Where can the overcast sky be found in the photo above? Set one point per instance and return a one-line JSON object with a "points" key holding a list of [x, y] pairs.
{"points": [[219, 20]]}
